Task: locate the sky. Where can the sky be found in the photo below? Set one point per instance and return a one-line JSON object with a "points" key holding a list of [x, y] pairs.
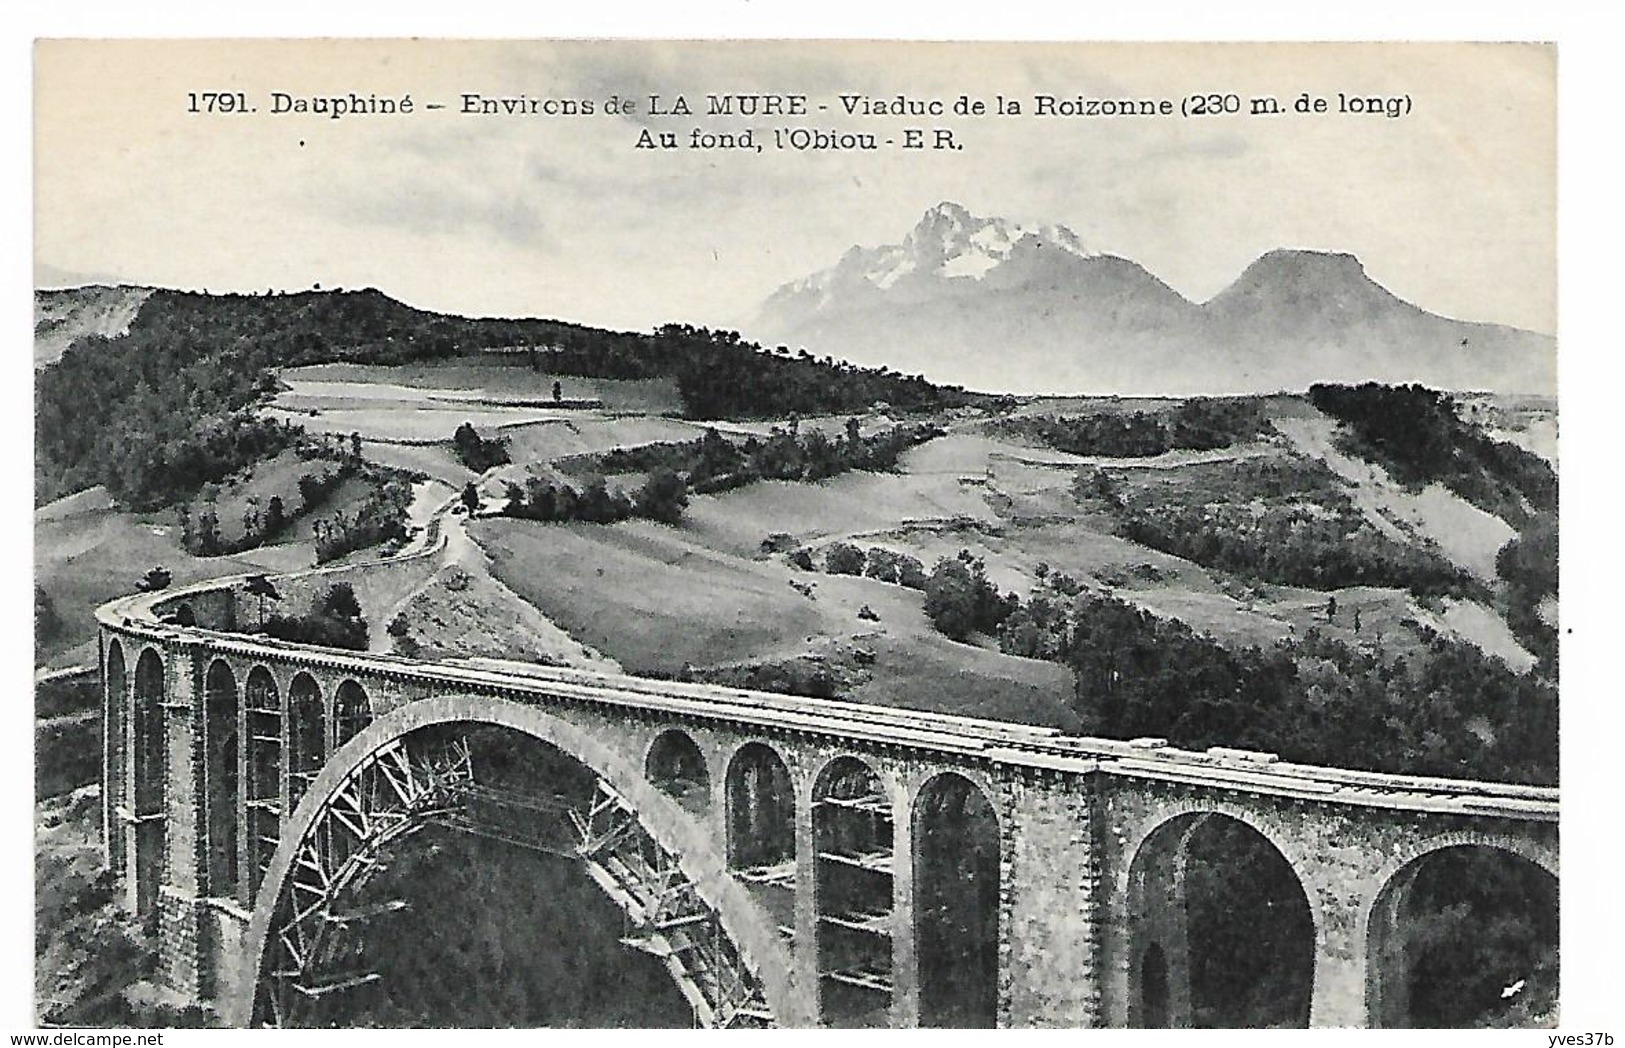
{"points": [[1451, 206]]}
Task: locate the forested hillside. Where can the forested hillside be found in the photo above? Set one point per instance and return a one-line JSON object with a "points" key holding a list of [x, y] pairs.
{"points": [[156, 412]]}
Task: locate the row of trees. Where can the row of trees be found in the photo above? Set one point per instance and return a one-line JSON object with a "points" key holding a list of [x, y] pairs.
{"points": [[663, 497], [1200, 424], [876, 562], [714, 463]]}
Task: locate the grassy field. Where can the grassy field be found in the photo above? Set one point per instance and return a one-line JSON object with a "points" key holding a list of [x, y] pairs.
{"points": [[644, 595], [85, 558], [494, 381], [849, 504], [584, 434], [421, 424], [658, 599]]}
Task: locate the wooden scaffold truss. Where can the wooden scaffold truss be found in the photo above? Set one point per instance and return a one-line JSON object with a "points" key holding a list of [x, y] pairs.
{"points": [[317, 947]]}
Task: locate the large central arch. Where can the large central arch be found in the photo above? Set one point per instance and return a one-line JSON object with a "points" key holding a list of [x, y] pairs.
{"points": [[1154, 941], [740, 918]]}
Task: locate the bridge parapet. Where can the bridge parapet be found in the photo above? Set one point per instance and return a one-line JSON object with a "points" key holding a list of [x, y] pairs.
{"points": [[1074, 814]]}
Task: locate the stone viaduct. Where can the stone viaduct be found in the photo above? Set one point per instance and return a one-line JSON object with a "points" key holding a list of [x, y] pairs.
{"points": [[785, 857]]}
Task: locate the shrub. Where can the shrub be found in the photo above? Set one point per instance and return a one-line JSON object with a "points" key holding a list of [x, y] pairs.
{"points": [[959, 600], [663, 497], [334, 621], [843, 558], [477, 453]]}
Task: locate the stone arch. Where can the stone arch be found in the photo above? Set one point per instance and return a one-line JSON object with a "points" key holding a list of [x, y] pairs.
{"points": [[1387, 971], [761, 807], [149, 770], [1153, 884], [307, 733], [956, 838], [854, 892], [115, 750], [741, 920], [352, 711], [222, 752], [675, 764], [1165, 813]]}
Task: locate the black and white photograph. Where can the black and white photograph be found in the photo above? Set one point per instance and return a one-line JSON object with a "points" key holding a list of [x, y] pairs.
{"points": [[654, 533]]}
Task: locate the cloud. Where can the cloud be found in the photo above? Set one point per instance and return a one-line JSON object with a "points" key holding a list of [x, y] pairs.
{"points": [[425, 204]]}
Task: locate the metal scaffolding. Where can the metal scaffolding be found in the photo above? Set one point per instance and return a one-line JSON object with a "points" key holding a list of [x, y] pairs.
{"points": [[318, 939]]}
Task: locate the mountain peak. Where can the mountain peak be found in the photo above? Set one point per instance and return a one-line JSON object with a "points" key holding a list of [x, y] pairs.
{"points": [[948, 242]]}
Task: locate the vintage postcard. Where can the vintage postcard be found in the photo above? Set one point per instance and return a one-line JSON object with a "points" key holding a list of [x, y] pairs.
{"points": [[795, 534]]}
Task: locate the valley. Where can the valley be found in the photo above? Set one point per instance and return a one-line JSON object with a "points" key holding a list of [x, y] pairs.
{"points": [[1277, 583]]}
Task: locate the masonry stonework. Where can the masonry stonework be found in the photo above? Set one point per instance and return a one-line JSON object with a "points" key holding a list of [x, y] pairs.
{"points": [[1079, 840], [1047, 944]]}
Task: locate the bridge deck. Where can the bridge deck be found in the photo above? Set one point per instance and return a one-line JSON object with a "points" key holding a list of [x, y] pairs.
{"points": [[980, 739]]}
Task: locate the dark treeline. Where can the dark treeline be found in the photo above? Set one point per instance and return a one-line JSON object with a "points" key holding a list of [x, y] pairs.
{"points": [[876, 562], [713, 463], [719, 375], [171, 398], [1450, 710], [1453, 712], [1200, 424]]}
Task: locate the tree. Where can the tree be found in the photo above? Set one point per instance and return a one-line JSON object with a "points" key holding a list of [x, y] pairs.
{"points": [[275, 517], [558, 391], [843, 558], [663, 497], [340, 601], [950, 598], [959, 599], [208, 531], [261, 587], [155, 579], [471, 497]]}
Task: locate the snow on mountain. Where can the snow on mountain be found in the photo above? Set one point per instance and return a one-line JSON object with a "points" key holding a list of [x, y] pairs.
{"points": [[948, 242]]}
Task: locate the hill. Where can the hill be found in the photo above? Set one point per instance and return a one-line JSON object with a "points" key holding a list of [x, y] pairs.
{"points": [[175, 392], [63, 317], [987, 303]]}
